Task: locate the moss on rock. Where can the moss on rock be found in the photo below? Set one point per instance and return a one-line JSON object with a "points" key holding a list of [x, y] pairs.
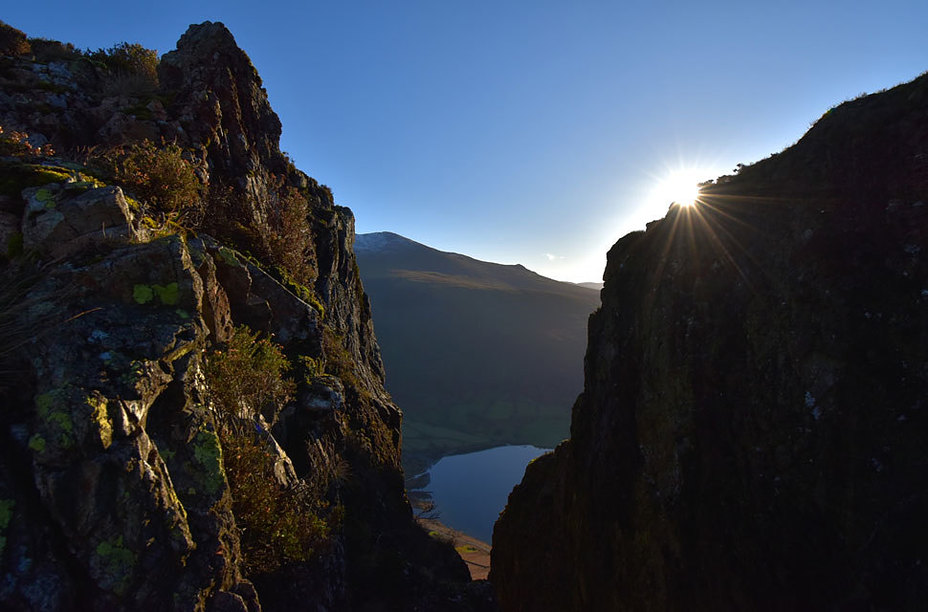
{"points": [[168, 294], [102, 422], [116, 562], [37, 443], [208, 453], [142, 294], [6, 515]]}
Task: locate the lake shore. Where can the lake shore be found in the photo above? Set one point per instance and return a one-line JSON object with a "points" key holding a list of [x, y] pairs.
{"points": [[474, 552]]}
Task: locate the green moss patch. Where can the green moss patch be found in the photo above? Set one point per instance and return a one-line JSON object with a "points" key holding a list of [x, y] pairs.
{"points": [[55, 420], [6, 512], [44, 403], [101, 418], [466, 549], [37, 443], [208, 454], [14, 177], [228, 256], [117, 563], [14, 246], [6, 515], [47, 197], [62, 420], [169, 294], [142, 294]]}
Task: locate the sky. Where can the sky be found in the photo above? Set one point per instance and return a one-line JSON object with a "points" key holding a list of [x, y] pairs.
{"points": [[531, 131]]}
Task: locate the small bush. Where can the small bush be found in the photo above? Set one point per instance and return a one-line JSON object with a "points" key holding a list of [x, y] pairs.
{"points": [[289, 241], [13, 41], [46, 50], [283, 242], [133, 69], [308, 367], [228, 216], [338, 360], [278, 525], [160, 176], [247, 376]]}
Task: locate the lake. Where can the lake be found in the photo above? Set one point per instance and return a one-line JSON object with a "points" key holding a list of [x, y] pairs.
{"points": [[469, 491]]}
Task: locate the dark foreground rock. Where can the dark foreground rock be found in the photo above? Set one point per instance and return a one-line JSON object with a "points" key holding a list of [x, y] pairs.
{"points": [[752, 431]]}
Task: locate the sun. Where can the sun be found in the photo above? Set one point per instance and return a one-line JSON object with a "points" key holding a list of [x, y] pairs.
{"points": [[678, 187]]}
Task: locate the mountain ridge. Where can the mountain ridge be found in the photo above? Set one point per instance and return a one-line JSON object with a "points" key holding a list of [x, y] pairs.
{"points": [[446, 321], [515, 276]]}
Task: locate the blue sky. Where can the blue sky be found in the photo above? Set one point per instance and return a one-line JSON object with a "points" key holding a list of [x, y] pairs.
{"points": [[529, 131]]}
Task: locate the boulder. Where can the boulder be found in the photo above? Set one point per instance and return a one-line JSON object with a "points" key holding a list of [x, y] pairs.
{"points": [[58, 222]]}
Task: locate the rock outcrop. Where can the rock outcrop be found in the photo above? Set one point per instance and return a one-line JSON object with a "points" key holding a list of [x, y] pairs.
{"points": [[115, 491], [751, 433]]}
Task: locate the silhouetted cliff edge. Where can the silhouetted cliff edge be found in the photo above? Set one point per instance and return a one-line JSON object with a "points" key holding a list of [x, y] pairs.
{"points": [[751, 435]]}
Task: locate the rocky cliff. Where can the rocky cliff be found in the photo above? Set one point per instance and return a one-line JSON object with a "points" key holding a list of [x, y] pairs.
{"points": [[751, 432], [194, 414]]}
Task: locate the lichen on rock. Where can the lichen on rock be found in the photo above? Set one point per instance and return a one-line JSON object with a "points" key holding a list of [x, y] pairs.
{"points": [[6, 514], [208, 453], [114, 563]]}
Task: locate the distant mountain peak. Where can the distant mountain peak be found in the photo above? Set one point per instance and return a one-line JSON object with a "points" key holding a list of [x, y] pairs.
{"points": [[382, 241], [423, 257]]}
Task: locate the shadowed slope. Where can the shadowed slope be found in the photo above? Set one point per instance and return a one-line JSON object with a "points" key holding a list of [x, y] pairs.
{"points": [[478, 354]]}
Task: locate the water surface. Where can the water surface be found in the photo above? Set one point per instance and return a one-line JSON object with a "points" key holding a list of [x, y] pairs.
{"points": [[471, 490]]}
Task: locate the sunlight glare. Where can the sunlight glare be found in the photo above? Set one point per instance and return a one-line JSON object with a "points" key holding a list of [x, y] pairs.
{"points": [[678, 187]]}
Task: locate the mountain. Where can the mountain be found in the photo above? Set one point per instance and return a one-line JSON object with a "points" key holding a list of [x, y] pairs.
{"points": [[194, 415], [751, 434], [478, 354]]}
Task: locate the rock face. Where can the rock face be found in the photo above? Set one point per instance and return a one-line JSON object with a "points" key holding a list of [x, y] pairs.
{"points": [[114, 484], [751, 433], [221, 101]]}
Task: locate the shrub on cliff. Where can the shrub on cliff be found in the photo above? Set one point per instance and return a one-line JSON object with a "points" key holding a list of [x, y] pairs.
{"points": [[247, 376], [338, 360], [159, 176], [279, 525], [46, 50], [132, 68], [283, 239], [289, 239], [13, 41]]}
